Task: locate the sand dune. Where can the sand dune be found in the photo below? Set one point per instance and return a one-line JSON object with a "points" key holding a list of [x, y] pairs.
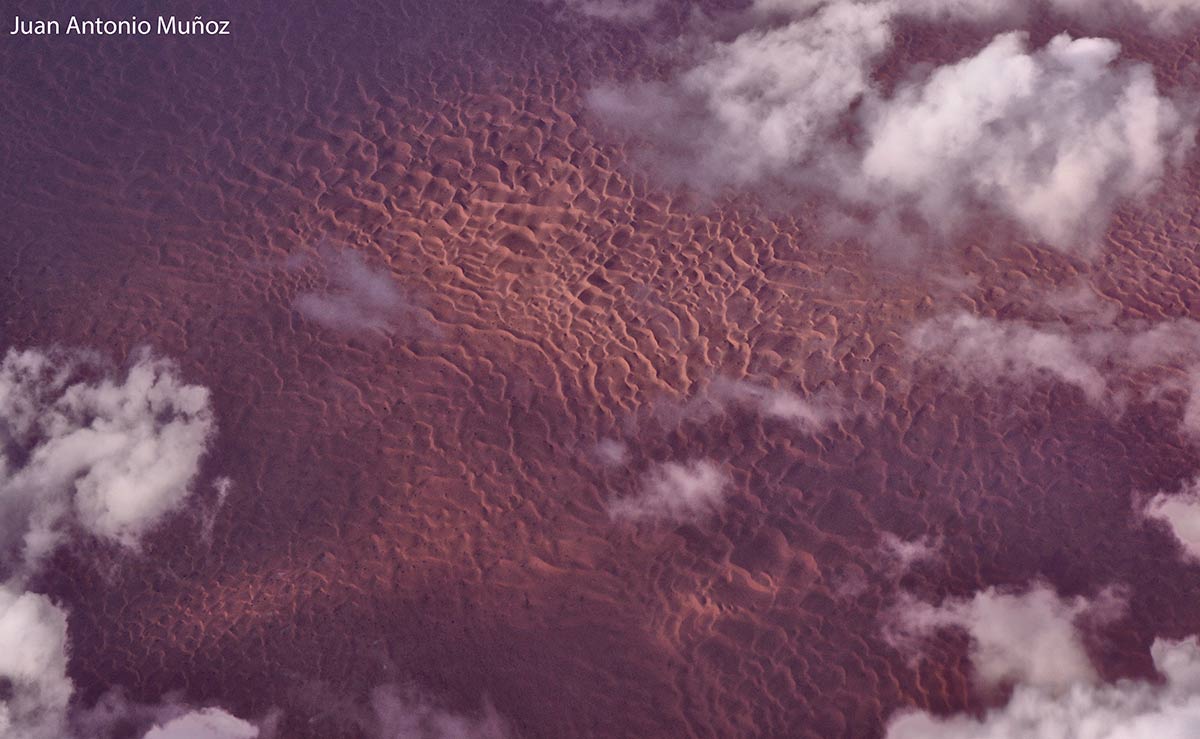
{"points": [[425, 508]]}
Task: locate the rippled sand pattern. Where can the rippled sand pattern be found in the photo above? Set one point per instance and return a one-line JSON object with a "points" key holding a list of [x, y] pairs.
{"points": [[425, 505]]}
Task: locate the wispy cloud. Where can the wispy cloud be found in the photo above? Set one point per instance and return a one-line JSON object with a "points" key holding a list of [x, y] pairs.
{"points": [[354, 296], [610, 10], [807, 413], [611, 452], [398, 711], [811, 413], [694, 489], [904, 554], [677, 492], [402, 712], [1111, 365]]}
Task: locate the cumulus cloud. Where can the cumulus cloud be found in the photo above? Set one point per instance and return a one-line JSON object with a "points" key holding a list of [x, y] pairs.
{"points": [[87, 451], [110, 457], [1110, 365], [115, 715], [206, 723], [980, 133], [1057, 693], [1180, 512], [113, 457], [792, 100], [33, 661], [673, 491], [1029, 637], [356, 296]]}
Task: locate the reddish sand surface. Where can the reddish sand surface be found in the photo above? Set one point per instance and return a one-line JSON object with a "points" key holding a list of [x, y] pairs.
{"points": [[423, 506]]}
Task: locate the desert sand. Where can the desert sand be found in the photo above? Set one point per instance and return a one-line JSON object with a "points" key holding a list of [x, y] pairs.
{"points": [[423, 503]]}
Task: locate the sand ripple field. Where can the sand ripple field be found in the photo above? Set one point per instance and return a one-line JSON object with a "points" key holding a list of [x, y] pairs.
{"points": [[448, 318]]}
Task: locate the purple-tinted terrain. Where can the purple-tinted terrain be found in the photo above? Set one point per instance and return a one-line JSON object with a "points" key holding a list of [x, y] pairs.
{"points": [[507, 368]]}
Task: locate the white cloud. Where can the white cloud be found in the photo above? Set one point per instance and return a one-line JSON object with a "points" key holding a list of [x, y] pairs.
{"points": [[1079, 302], [792, 100], [1129, 709], [989, 350], [33, 659], [356, 297], [905, 553], [611, 452], [972, 11], [1161, 16], [761, 105], [207, 723], [611, 10], [1035, 641], [115, 715], [1023, 638], [1110, 365], [1181, 514], [809, 414], [691, 490], [34, 650], [207, 513], [675, 492], [1032, 640], [980, 133], [113, 456], [402, 713]]}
